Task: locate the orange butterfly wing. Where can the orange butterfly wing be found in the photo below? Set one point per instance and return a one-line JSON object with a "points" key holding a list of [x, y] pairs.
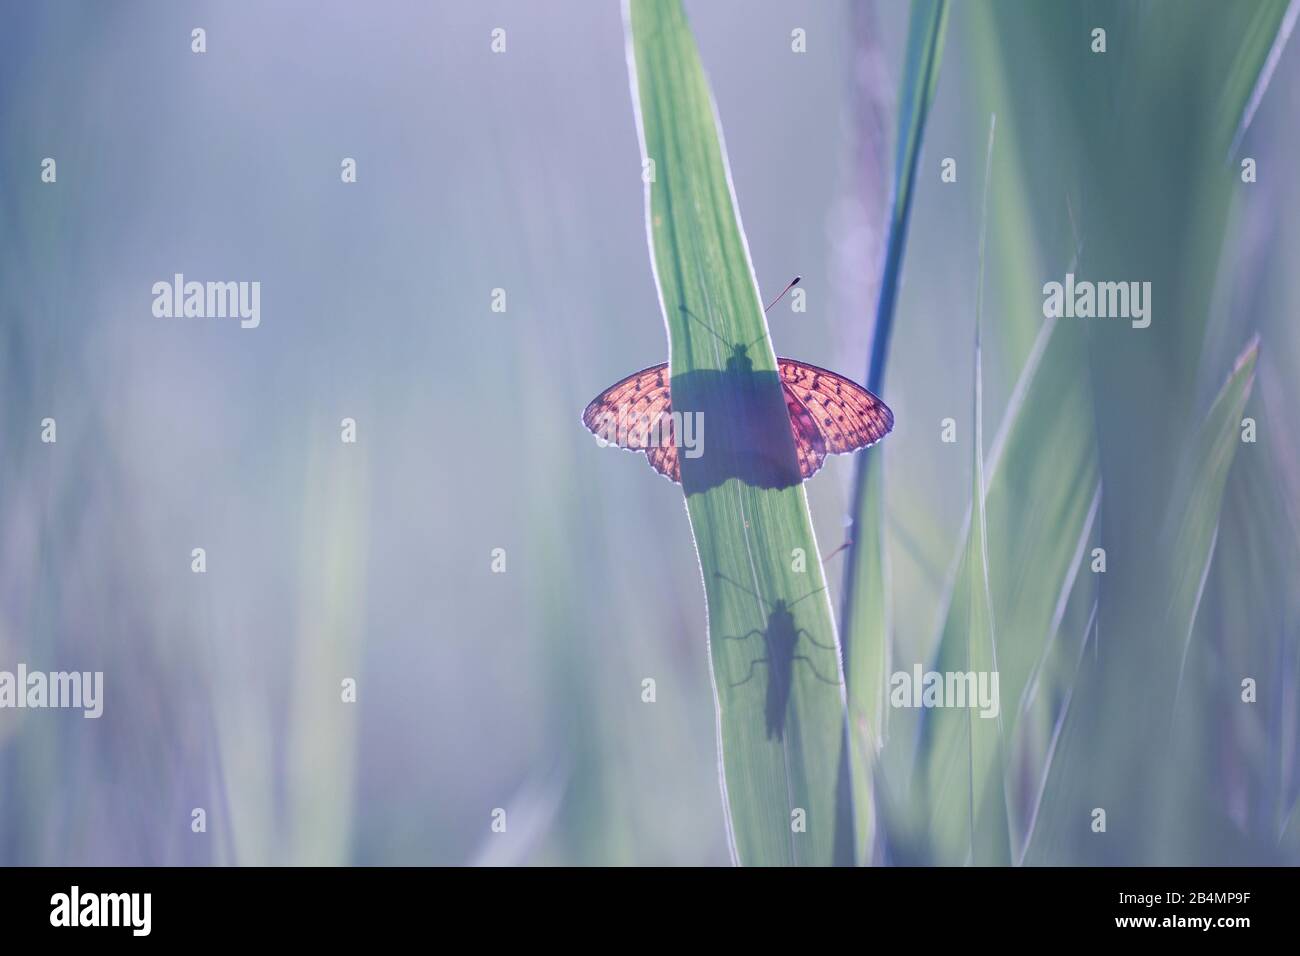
{"points": [[641, 397], [829, 414]]}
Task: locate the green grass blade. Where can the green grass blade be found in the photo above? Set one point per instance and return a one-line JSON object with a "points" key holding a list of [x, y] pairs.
{"points": [[327, 649], [1252, 69], [866, 638], [989, 835], [1040, 497], [1032, 509], [780, 715], [920, 79], [1257, 558], [1058, 719], [864, 608], [1194, 521], [990, 842], [1192, 524]]}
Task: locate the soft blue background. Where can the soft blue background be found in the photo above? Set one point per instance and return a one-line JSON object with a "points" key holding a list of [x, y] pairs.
{"points": [[371, 561]]}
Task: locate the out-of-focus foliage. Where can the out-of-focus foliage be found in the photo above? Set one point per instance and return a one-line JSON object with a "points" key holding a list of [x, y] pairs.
{"points": [[524, 691]]}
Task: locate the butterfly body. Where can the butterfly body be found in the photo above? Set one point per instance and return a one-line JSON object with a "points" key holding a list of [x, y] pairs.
{"points": [[828, 413]]}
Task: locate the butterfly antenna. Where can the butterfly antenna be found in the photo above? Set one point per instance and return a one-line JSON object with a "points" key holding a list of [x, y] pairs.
{"points": [[847, 542], [793, 282]]}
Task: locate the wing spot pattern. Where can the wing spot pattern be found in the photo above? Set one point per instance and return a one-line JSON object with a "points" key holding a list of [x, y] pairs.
{"points": [[851, 417]]}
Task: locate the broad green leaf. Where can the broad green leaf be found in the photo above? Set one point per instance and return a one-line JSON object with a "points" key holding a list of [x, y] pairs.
{"points": [[777, 678]]}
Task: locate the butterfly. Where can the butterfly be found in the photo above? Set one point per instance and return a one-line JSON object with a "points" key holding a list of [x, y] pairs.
{"points": [[829, 414]]}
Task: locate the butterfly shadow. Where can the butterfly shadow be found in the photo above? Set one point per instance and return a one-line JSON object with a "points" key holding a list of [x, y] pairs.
{"points": [[744, 416], [780, 642]]}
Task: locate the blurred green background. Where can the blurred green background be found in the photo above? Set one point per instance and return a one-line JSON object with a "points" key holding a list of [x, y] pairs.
{"points": [[521, 171]]}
